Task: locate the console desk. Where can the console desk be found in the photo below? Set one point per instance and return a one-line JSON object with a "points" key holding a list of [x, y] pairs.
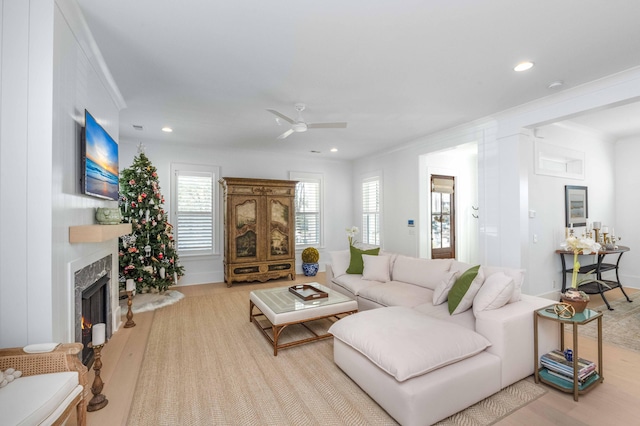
{"points": [[595, 287]]}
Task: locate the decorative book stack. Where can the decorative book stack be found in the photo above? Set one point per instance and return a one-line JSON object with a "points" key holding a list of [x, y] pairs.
{"points": [[559, 367]]}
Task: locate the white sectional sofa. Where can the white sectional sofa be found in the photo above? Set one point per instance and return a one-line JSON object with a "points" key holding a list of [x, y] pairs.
{"points": [[416, 360]]}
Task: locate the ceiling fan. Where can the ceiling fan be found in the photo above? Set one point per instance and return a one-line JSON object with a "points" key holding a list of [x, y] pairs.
{"points": [[299, 125]]}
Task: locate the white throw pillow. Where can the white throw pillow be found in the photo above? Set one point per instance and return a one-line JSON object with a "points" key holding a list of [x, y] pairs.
{"points": [[376, 268], [340, 262], [494, 293], [441, 292], [516, 274], [423, 272], [405, 343], [459, 267], [392, 260]]}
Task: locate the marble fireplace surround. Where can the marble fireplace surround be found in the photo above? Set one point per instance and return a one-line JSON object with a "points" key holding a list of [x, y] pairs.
{"points": [[83, 273], [85, 278]]}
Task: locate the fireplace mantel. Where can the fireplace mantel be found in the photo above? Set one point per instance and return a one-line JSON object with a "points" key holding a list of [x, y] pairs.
{"points": [[97, 233]]}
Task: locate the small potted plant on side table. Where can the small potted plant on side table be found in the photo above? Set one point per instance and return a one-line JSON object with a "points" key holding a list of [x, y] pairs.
{"points": [[310, 257], [573, 295]]}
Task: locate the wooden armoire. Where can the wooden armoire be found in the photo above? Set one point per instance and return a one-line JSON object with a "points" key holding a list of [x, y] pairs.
{"points": [[259, 229]]}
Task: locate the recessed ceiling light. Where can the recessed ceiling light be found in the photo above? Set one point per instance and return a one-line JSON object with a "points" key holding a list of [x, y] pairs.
{"points": [[334, 149], [523, 66], [555, 84], [167, 129], [315, 152]]}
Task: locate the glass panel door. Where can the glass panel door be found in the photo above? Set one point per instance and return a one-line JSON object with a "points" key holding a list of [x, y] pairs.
{"points": [[442, 217]]}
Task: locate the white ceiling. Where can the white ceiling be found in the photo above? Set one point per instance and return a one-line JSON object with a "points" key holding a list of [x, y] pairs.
{"points": [[618, 122], [394, 70]]}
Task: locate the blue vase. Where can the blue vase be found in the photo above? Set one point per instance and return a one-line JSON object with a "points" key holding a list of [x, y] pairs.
{"points": [[310, 269]]}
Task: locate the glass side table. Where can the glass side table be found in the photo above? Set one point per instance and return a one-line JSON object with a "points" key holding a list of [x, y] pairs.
{"points": [[541, 374]]}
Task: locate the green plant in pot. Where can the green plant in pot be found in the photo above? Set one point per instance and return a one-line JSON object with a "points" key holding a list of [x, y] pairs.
{"points": [[310, 257]]}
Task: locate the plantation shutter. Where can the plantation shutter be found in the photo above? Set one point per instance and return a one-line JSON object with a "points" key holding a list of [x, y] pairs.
{"points": [[194, 215], [307, 202], [371, 210]]}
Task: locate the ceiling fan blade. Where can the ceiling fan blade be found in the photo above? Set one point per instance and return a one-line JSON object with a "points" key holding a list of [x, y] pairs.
{"points": [[284, 117], [338, 125], [285, 134]]}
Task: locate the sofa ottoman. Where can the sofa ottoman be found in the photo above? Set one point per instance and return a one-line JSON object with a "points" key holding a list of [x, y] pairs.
{"points": [[418, 368]]}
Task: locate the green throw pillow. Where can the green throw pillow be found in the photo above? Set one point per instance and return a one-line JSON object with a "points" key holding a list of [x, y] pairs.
{"points": [[460, 287], [356, 266]]}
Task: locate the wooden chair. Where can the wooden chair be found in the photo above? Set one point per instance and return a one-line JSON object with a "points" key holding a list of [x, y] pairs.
{"points": [[62, 359]]}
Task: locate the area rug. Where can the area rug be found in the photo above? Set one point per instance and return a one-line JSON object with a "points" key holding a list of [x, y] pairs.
{"points": [[206, 364], [497, 406], [620, 327], [144, 302]]}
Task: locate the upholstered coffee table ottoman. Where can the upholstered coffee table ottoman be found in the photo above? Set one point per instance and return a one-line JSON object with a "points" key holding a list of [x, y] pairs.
{"points": [[282, 308]]}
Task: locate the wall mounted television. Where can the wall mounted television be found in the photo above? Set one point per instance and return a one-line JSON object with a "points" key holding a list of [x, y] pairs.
{"points": [[99, 174]]}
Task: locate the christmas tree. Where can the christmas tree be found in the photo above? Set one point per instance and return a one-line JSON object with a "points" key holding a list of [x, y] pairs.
{"points": [[148, 255]]}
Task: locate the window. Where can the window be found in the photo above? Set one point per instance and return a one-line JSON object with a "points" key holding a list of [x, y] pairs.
{"points": [[371, 210], [193, 201], [308, 213]]}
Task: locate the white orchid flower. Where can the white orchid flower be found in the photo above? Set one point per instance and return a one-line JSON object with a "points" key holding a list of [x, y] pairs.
{"points": [[351, 233]]}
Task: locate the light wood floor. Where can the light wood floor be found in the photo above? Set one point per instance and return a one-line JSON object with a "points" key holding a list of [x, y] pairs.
{"points": [[616, 401]]}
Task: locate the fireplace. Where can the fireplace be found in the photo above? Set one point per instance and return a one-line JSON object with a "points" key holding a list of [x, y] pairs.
{"points": [[94, 311], [92, 302]]}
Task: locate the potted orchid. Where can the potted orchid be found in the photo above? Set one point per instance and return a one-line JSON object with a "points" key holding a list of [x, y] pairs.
{"points": [[351, 234], [578, 246]]}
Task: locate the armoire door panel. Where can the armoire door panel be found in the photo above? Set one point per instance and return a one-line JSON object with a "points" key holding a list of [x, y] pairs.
{"points": [[243, 229], [280, 223]]}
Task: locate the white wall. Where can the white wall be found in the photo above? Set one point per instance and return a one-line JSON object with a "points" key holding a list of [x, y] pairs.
{"points": [[461, 162], [47, 82], [504, 172], [337, 192], [25, 160], [404, 173], [627, 206], [81, 80], [546, 198]]}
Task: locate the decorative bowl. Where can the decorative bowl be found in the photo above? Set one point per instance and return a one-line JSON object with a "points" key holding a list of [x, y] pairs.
{"points": [[108, 215]]}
